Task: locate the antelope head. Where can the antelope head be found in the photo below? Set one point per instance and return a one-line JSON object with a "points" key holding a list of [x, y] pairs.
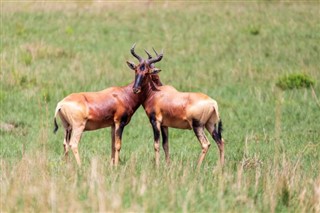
{"points": [[144, 69]]}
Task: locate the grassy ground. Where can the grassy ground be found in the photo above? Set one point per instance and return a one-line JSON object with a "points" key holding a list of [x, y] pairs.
{"points": [[233, 52]]}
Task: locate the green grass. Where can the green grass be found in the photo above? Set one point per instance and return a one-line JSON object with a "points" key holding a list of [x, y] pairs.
{"points": [[234, 52]]}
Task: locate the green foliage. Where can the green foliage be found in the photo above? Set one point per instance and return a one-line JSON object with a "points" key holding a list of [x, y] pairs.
{"points": [[23, 80], [3, 95], [27, 58], [20, 29], [45, 95], [27, 81], [235, 54], [254, 30], [285, 194], [298, 80], [69, 30]]}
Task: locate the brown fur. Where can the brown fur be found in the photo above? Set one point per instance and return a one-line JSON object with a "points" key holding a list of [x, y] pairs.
{"points": [[87, 111]]}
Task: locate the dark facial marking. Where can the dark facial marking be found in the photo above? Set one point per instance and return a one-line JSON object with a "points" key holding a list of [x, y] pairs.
{"points": [[138, 81], [142, 67]]}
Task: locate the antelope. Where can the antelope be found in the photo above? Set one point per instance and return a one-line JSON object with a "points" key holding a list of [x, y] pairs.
{"points": [[167, 107], [88, 111]]}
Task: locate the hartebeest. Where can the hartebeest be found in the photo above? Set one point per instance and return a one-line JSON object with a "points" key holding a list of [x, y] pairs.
{"points": [[94, 110], [167, 107]]}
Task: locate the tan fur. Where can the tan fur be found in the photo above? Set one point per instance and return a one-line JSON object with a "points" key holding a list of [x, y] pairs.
{"points": [[166, 107], [180, 109]]}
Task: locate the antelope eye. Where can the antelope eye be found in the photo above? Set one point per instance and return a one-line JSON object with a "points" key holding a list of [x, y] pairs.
{"points": [[142, 67]]}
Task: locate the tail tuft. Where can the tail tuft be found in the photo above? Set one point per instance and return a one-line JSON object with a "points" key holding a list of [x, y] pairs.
{"points": [[220, 128], [56, 127], [217, 132]]}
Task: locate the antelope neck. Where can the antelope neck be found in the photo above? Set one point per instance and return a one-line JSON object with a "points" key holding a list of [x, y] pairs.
{"points": [[131, 99], [149, 87]]}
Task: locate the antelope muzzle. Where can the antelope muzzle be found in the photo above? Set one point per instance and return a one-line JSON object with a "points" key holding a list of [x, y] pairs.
{"points": [[137, 83], [136, 90]]}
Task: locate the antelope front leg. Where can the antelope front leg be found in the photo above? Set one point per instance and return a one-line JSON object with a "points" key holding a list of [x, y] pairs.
{"points": [[165, 142], [205, 144], [156, 133], [112, 144], [117, 145]]}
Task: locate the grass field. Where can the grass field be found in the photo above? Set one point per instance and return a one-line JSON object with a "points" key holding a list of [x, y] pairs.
{"points": [[234, 52]]}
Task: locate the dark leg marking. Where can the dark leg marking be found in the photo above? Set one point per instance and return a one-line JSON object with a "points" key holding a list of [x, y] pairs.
{"points": [[196, 123], [205, 144], [165, 142], [198, 129], [156, 131], [164, 134], [68, 136], [123, 122]]}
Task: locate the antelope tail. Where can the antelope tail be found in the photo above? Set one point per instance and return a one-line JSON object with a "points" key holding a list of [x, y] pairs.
{"points": [[56, 127], [220, 129], [217, 132]]}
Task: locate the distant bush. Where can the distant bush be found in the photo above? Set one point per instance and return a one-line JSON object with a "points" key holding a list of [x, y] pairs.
{"points": [[292, 81], [25, 81], [254, 30], [27, 58]]}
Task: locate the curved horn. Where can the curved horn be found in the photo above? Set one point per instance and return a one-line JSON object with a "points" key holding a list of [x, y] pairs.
{"points": [[155, 60], [134, 54], [155, 51], [149, 55]]}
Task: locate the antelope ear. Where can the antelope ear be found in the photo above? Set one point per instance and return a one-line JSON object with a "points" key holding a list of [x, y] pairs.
{"points": [[154, 70], [131, 65]]}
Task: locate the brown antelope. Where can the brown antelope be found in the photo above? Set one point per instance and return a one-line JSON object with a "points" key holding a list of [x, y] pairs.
{"points": [[94, 110], [167, 107]]}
